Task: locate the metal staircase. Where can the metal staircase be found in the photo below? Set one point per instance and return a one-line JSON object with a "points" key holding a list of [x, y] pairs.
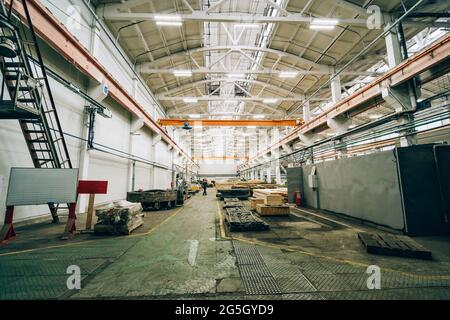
{"points": [[25, 94]]}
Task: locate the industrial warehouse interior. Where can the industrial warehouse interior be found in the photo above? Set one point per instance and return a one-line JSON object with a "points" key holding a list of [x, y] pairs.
{"points": [[226, 150]]}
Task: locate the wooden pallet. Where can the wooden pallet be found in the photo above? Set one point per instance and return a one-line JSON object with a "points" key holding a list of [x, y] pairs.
{"points": [[394, 245], [279, 210], [272, 196], [255, 201]]}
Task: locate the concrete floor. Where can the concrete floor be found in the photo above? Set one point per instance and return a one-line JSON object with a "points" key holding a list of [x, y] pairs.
{"points": [[188, 253]]}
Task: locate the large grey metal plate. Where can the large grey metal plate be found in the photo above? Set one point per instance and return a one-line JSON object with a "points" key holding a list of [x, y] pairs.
{"points": [[34, 186]]}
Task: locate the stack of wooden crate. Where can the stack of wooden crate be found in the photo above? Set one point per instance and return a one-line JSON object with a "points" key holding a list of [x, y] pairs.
{"points": [[270, 202]]}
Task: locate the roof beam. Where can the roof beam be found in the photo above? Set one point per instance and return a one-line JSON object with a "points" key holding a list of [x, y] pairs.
{"points": [[234, 99], [146, 68], [220, 114], [186, 108], [229, 123], [237, 48], [116, 13], [193, 85]]}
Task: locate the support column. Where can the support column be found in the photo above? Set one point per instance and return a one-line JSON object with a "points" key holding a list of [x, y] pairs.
{"points": [[339, 124], [136, 125], [97, 91], [336, 89], [306, 111], [402, 97], [269, 174], [276, 156], [394, 56], [155, 140], [94, 45], [277, 172]]}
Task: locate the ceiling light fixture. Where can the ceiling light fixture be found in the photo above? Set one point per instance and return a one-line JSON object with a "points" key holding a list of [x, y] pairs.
{"points": [[323, 24], [182, 73], [168, 20], [168, 17], [169, 23], [190, 100], [324, 21], [194, 116], [288, 74], [270, 100], [320, 27], [258, 116]]}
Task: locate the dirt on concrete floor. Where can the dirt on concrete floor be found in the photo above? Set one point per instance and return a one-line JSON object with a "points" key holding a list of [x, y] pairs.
{"points": [[188, 253]]}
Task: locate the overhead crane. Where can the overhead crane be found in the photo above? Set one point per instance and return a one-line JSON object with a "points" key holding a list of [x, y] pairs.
{"points": [[230, 123]]}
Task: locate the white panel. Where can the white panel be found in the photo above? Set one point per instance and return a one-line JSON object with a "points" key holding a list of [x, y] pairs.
{"points": [[218, 167], [31, 186]]}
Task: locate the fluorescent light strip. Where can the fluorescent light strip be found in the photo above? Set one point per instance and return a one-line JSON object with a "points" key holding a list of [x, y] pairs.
{"points": [[190, 100], [259, 116], [288, 74], [320, 27], [327, 22], [182, 73], [169, 24], [194, 116], [271, 100], [168, 17]]}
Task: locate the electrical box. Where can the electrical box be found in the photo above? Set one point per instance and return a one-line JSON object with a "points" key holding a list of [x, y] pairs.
{"points": [[312, 181]]}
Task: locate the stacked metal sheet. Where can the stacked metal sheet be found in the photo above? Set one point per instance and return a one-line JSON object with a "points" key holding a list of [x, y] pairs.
{"points": [[242, 219], [232, 203], [120, 217], [241, 194]]}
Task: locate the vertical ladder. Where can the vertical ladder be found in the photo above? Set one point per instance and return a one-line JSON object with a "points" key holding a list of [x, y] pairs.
{"points": [[26, 95]]}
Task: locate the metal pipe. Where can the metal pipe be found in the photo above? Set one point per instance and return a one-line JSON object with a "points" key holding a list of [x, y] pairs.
{"points": [[351, 61], [133, 177], [396, 129]]}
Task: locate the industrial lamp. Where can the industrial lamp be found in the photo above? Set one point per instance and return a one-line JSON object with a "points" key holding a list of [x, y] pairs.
{"points": [[186, 126]]}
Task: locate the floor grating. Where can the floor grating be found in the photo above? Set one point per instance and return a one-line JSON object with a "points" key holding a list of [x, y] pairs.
{"points": [[255, 274]]}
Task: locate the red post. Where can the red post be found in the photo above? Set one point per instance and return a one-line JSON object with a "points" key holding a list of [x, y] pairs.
{"points": [[8, 232]]}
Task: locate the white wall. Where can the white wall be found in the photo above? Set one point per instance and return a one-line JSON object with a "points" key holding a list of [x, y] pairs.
{"points": [[113, 133], [218, 167]]}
